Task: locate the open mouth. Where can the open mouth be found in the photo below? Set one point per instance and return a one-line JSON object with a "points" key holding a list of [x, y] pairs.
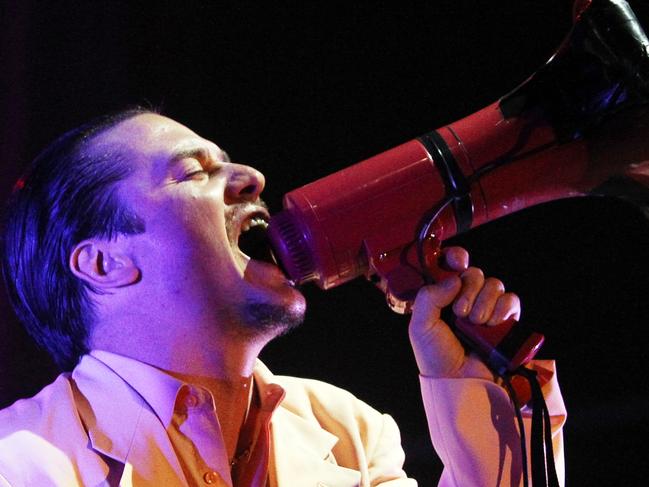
{"points": [[253, 240]]}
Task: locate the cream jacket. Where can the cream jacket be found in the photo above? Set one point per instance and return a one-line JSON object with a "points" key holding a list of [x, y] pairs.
{"points": [[90, 428]]}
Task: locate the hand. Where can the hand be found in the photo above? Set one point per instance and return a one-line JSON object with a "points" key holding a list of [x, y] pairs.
{"points": [[482, 300]]}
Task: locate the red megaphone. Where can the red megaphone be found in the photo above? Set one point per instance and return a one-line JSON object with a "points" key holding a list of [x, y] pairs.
{"points": [[384, 217]]}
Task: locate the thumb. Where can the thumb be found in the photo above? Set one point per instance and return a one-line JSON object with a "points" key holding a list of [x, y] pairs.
{"points": [[431, 299], [437, 350]]}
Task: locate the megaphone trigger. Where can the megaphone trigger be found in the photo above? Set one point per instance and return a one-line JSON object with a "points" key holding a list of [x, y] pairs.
{"points": [[433, 264], [419, 264]]}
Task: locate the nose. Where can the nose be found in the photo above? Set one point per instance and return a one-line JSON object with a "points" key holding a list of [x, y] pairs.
{"points": [[244, 184]]}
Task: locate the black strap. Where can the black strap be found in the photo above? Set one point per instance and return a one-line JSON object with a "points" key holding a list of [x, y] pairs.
{"points": [[456, 184], [544, 472]]}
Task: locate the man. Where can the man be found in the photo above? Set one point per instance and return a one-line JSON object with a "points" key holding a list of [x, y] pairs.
{"points": [[122, 259]]}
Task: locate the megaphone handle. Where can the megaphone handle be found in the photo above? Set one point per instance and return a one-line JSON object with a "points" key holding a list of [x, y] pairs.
{"points": [[505, 346]]}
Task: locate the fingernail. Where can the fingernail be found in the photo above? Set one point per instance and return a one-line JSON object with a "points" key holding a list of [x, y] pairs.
{"points": [[480, 317], [463, 306]]}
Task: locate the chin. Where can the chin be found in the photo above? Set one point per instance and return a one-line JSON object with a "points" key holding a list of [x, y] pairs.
{"points": [[272, 317], [275, 307]]}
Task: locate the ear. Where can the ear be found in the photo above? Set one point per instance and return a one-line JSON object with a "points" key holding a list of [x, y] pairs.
{"points": [[103, 264]]}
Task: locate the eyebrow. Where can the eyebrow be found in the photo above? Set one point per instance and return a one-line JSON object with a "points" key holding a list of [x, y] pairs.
{"points": [[200, 153]]}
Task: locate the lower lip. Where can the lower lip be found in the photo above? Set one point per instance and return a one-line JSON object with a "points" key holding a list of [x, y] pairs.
{"points": [[254, 268]]}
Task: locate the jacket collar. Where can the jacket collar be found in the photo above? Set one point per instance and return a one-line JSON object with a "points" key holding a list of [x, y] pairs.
{"points": [[122, 426]]}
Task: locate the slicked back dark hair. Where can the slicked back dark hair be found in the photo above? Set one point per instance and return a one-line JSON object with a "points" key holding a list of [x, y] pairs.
{"points": [[68, 194]]}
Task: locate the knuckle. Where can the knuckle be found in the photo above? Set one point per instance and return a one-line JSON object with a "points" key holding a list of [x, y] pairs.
{"points": [[495, 284], [457, 252], [512, 298], [426, 292], [510, 301], [450, 251], [473, 273]]}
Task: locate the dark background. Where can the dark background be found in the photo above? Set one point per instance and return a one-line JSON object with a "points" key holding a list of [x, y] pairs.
{"points": [[302, 89]]}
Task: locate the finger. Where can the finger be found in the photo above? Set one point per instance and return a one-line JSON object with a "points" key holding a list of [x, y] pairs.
{"points": [[456, 258], [507, 306], [486, 300], [472, 282]]}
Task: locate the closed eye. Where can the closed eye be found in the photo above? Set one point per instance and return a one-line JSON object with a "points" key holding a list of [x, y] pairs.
{"points": [[198, 172]]}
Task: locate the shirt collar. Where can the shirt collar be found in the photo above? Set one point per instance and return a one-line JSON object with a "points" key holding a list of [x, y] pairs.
{"points": [[160, 389], [270, 393], [156, 387]]}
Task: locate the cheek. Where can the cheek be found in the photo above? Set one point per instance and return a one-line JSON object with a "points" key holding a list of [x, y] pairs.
{"points": [[199, 217], [206, 230], [187, 232]]}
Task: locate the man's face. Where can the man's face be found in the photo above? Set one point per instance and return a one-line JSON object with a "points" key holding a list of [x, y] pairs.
{"points": [[195, 205]]}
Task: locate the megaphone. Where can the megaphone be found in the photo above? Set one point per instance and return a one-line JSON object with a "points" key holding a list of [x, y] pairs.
{"points": [[384, 217]]}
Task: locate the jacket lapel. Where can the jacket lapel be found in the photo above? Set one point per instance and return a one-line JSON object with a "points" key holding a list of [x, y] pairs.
{"points": [[301, 454], [300, 449], [123, 427]]}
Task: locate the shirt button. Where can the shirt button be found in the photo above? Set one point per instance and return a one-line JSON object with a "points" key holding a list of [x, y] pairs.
{"points": [[213, 478], [191, 400]]}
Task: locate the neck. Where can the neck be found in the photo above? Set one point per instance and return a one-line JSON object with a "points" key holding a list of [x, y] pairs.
{"points": [[206, 351], [227, 361]]}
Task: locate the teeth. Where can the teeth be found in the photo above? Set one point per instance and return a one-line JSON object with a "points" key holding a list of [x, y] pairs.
{"points": [[254, 222]]}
